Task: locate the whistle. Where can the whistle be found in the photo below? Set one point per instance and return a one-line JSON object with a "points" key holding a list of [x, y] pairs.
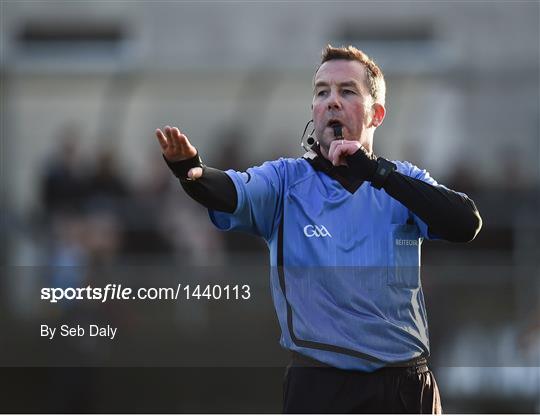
{"points": [[338, 131]]}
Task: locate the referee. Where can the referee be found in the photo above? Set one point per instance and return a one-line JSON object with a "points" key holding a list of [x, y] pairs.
{"points": [[344, 229]]}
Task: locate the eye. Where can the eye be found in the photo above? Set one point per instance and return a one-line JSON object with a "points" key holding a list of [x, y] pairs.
{"points": [[321, 93], [347, 92]]}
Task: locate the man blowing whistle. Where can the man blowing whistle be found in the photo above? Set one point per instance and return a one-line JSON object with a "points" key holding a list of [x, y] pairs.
{"points": [[344, 230]]}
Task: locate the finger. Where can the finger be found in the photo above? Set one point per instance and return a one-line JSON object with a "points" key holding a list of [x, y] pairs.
{"points": [[178, 138], [170, 138], [162, 140], [331, 150], [347, 149], [337, 156], [334, 151], [195, 173], [185, 148], [167, 131], [342, 150]]}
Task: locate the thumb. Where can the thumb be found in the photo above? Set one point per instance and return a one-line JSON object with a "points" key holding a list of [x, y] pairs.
{"points": [[195, 173]]}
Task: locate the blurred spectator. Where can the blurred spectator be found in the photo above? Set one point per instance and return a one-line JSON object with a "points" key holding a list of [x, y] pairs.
{"points": [[69, 252], [63, 185], [230, 151], [143, 235], [106, 189]]}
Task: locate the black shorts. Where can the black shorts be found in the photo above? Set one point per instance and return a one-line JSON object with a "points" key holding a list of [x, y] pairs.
{"points": [[312, 387]]}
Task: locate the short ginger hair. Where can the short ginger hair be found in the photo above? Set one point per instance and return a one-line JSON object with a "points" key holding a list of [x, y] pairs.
{"points": [[375, 77]]}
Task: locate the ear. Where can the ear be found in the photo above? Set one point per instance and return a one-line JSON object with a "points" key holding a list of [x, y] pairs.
{"points": [[378, 115]]}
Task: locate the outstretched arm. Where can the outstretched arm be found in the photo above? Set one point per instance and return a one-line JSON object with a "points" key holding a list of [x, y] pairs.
{"points": [[210, 187]]}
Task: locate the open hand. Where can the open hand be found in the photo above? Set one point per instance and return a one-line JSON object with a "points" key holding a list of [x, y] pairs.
{"points": [[176, 147]]}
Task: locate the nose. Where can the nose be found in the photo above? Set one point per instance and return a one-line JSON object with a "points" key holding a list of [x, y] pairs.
{"points": [[333, 102]]}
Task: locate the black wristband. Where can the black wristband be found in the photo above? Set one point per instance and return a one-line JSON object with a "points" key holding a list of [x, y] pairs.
{"points": [[384, 168], [181, 168]]}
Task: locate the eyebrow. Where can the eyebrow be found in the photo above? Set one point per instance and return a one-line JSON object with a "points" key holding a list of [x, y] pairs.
{"points": [[341, 84]]}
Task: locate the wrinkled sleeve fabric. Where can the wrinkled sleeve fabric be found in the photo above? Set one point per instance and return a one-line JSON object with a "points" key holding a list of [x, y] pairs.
{"points": [[214, 190], [439, 212], [258, 193]]}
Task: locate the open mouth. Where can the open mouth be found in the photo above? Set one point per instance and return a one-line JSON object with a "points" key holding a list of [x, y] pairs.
{"points": [[334, 123]]}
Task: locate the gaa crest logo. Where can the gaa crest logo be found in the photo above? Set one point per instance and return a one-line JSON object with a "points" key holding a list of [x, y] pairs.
{"points": [[311, 230]]}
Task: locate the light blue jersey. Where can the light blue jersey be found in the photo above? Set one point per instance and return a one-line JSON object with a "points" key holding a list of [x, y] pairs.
{"points": [[345, 267]]}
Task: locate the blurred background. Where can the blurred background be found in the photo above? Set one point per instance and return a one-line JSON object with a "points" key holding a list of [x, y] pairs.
{"points": [[87, 199]]}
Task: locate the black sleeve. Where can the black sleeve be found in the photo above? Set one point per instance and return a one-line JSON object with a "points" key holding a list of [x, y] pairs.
{"points": [[214, 189], [448, 214]]}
